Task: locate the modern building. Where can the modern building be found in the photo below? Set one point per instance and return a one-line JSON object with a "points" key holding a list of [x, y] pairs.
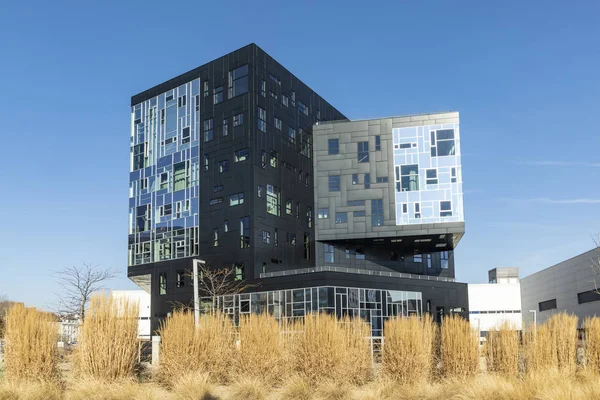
{"points": [[496, 303], [570, 286], [142, 298], [221, 169]]}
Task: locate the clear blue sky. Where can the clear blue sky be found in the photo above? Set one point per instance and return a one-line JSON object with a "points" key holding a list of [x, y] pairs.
{"points": [[524, 76]]}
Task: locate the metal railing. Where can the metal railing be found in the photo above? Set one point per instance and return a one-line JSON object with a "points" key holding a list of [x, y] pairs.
{"points": [[355, 271]]}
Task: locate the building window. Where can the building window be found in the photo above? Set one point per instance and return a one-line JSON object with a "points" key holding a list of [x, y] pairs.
{"points": [[238, 120], [180, 278], [328, 253], [245, 232], [225, 226], [334, 183], [276, 237], [291, 239], [215, 201], [217, 188], [341, 217], [445, 208], [297, 210], [273, 159], [547, 305], [236, 199], [206, 91], [418, 258], [305, 144], [347, 253], [417, 210], [180, 176], [453, 175], [273, 199], [263, 159], [355, 179], [354, 203], [208, 130], [259, 190], [218, 95], [284, 100], [323, 213], [360, 254], [303, 108], [240, 155], [404, 208], [377, 143], [262, 120], [382, 179], [238, 81], [363, 152], [225, 127], [309, 217], [307, 180], [223, 166], [588, 297], [239, 272], [445, 257], [162, 284], [293, 98], [367, 181], [266, 237], [359, 214], [432, 178], [307, 246], [185, 135], [291, 135], [377, 212], [263, 88], [409, 177], [277, 122], [215, 237], [333, 146], [288, 207], [206, 162], [442, 143], [428, 257]]}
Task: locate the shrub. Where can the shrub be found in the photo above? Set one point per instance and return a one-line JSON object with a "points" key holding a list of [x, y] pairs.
{"points": [[408, 349], [108, 340], [459, 347], [30, 352]]}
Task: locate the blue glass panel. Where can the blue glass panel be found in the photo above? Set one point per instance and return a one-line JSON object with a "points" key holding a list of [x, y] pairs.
{"points": [[132, 202], [134, 176], [189, 221], [177, 157], [168, 198], [164, 161], [195, 151], [179, 223], [179, 195], [159, 201]]}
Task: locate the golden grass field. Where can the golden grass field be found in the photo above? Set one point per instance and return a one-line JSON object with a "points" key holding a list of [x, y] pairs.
{"points": [[318, 358]]}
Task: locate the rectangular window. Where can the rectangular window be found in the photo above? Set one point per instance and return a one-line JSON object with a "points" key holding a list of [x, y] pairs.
{"points": [[164, 181], [225, 127], [363, 152], [218, 95], [303, 108], [341, 217], [431, 176], [259, 190], [206, 91], [226, 226], [588, 297], [355, 179], [238, 120], [442, 143], [291, 239], [359, 214], [215, 237], [353, 203], [547, 305], [307, 246], [263, 88], [409, 177], [323, 213], [383, 179], [377, 212], [284, 100], [417, 210], [288, 207], [367, 181], [215, 201], [309, 217], [240, 155], [180, 278], [445, 257], [277, 122], [293, 98], [162, 284], [223, 166], [262, 120], [328, 252], [347, 253], [185, 135], [236, 199], [239, 272], [453, 175], [273, 159], [291, 135], [377, 143], [245, 232], [266, 237], [404, 208], [445, 208], [263, 159], [275, 79], [418, 258], [428, 257], [297, 210], [273, 200], [180, 176], [333, 146], [276, 237], [360, 254], [208, 130], [334, 183], [217, 188], [238, 81], [206, 162]]}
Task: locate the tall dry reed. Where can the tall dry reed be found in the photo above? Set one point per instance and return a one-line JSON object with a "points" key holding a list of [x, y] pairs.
{"points": [[260, 355], [552, 345], [209, 348], [459, 347], [408, 349], [108, 339], [324, 348], [30, 351], [564, 330], [592, 345], [502, 350]]}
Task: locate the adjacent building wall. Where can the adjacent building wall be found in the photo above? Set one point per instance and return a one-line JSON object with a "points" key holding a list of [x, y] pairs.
{"points": [[493, 304]]}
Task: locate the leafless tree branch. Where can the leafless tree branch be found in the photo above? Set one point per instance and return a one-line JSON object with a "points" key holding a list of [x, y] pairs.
{"points": [[596, 262], [218, 282]]}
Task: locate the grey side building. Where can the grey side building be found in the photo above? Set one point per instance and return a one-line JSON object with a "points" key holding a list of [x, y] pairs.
{"points": [[569, 286]]}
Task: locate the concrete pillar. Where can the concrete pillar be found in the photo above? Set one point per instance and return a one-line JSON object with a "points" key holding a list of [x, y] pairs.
{"points": [[155, 350]]}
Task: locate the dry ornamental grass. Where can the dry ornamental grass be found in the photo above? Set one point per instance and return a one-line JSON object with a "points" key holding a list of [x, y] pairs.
{"points": [[459, 348], [592, 345], [502, 351]]}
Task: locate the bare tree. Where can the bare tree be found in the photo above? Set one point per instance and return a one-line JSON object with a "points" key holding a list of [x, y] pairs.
{"points": [[596, 261], [218, 282], [78, 285]]}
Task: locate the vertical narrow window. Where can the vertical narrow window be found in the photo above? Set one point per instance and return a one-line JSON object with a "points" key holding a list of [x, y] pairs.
{"points": [[238, 81], [273, 159], [278, 124], [262, 120], [206, 162], [307, 246], [293, 99], [291, 135], [309, 216], [218, 95], [431, 177], [215, 237], [377, 143], [417, 210], [206, 91], [180, 176], [276, 237], [429, 264], [445, 208], [259, 190], [297, 210], [225, 127], [263, 88], [377, 212], [208, 130], [409, 177], [288, 207], [453, 175], [333, 146], [239, 272], [263, 159], [355, 179], [266, 237], [162, 284], [273, 199], [367, 181], [245, 232], [334, 183], [238, 120], [363, 152], [445, 258], [328, 253], [226, 226], [180, 278]]}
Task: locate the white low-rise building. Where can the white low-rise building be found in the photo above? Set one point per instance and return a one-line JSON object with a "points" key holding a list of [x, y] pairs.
{"points": [[143, 299], [497, 302]]}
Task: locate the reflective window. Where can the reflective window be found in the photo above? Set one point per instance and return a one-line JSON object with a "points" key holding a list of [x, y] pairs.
{"points": [[431, 175], [323, 213], [218, 95], [355, 179], [442, 143], [236, 199], [333, 146], [377, 143], [215, 237], [273, 159], [291, 135], [359, 214], [244, 232], [240, 155], [273, 200], [367, 181], [445, 257], [225, 127], [223, 166], [328, 251], [238, 81], [445, 208], [291, 239], [208, 130], [353, 203], [262, 120], [341, 217], [162, 284], [277, 122], [377, 212], [266, 237], [303, 108], [288, 207], [363, 152], [334, 183], [409, 177], [238, 120]]}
